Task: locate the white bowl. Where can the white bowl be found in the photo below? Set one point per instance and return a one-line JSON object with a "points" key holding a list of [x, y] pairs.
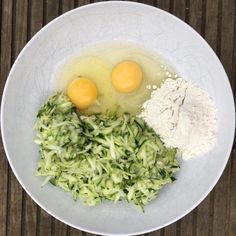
{"points": [[29, 84]]}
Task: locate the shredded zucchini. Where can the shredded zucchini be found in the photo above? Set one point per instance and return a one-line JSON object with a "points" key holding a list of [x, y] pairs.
{"points": [[101, 156]]}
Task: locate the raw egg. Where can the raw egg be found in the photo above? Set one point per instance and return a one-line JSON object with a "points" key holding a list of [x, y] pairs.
{"points": [[98, 62], [127, 76], [82, 92]]}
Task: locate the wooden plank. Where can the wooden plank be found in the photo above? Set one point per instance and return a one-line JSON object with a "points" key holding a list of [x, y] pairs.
{"points": [[232, 215], [3, 189], [60, 229], [220, 219], [203, 217], [14, 206], [89, 234], [171, 230], [44, 226], [19, 35], [186, 225], [187, 5], [5, 63], [20, 26], [149, 2], [227, 38], [76, 232], [21, 32], [28, 214], [179, 9], [234, 61], [163, 4], [29, 217], [51, 10], [234, 66], [156, 233], [195, 14], [211, 23], [67, 5], [79, 3], [36, 16], [6, 39]]}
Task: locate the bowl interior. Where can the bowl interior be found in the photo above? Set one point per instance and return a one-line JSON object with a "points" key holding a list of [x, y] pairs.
{"points": [[29, 84]]}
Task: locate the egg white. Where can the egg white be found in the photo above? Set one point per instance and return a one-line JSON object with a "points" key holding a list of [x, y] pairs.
{"points": [[96, 63]]}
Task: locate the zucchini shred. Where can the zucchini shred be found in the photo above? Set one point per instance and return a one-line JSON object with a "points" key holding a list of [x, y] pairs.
{"points": [[101, 156]]}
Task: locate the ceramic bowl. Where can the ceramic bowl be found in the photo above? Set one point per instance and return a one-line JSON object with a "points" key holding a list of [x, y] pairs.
{"points": [[29, 84]]}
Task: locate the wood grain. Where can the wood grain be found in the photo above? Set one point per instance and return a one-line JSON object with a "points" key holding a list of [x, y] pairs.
{"points": [[44, 226], [214, 20], [5, 64], [163, 4], [3, 189], [75, 232], [79, 3], [203, 218], [232, 206], [67, 5], [20, 33], [34, 24], [36, 17], [156, 233], [195, 14], [149, 2], [211, 23], [59, 228], [30, 217], [220, 213], [14, 197], [227, 38], [179, 9], [6, 40]]}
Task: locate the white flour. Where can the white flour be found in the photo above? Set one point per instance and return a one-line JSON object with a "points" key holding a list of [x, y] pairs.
{"points": [[183, 115]]}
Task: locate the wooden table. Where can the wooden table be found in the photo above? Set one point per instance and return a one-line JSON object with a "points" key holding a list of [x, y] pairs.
{"points": [[215, 20]]}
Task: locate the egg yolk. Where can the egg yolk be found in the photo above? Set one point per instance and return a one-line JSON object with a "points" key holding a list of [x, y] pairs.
{"points": [[82, 92], [127, 76]]}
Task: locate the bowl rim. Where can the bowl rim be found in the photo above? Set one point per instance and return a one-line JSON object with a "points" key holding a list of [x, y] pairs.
{"points": [[4, 95]]}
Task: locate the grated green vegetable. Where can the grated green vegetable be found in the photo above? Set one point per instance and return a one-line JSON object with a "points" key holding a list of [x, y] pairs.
{"points": [[101, 156]]}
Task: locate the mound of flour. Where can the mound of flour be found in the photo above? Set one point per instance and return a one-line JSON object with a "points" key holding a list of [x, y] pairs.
{"points": [[183, 115]]}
